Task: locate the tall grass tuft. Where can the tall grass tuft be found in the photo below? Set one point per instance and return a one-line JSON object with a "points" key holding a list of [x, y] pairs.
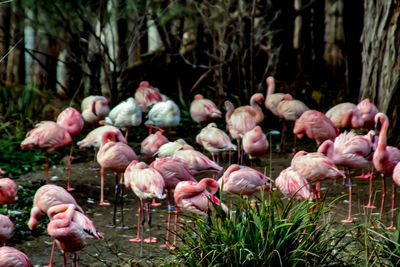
{"points": [[269, 234]]}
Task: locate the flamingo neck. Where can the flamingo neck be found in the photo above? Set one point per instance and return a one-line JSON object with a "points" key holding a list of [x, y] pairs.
{"points": [[271, 88], [383, 135]]}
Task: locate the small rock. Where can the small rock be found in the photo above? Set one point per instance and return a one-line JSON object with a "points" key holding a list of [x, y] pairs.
{"points": [[54, 178]]}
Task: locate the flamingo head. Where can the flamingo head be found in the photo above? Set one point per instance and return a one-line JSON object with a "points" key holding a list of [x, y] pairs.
{"points": [[198, 97]]}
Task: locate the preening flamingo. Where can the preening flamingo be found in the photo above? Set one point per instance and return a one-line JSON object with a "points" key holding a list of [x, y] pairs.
{"points": [[293, 184], [163, 114], [11, 257], [345, 116], [214, 140], [125, 115], [6, 229], [116, 156], [146, 95], [94, 108], [368, 111], [203, 110], [47, 136], [385, 157], [173, 171], [152, 143], [255, 143]]}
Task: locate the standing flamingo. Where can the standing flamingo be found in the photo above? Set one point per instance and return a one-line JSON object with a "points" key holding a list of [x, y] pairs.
{"points": [[71, 120], [6, 229], [169, 149], [197, 161], [94, 108], [345, 116], [368, 111], [145, 182], [243, 181], [116, 156], [385, 157], [272, 99], [125, 115], [214, 140], [146, 96], [173, 171], [315, 125], [163, 114], [11, 257], [8, 191], [152, 143], [255, 143], [47, 136], [293, 184], [69, 228], [203, 110]]}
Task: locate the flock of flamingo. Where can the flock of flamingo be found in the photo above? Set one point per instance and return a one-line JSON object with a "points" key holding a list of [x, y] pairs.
{"points": [[172, 165]]}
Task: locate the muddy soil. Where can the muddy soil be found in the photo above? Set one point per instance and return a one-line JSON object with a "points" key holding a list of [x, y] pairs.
{"points": [[116, 250]]}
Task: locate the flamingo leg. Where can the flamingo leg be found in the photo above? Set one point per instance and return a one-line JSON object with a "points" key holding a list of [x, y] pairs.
{"points": [[383, 195], [117, 189], [154, 203], [167, 244], [283, 137], [102, 203], [53, 247], [69, 188], [369, 205], [239, 150], [217, 157], [295, 145], [349, 218], [138, 237], [150, 239], [127, 133], [175, 228], [94, 168], [76, 259], [65, 259], [392, 227], [47, 169], [121, 195]]}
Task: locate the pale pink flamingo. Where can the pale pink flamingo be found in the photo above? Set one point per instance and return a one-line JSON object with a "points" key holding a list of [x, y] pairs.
{"points": [[169, 149], [293, 184], [11, 257], [146, 95], [368, 111], [345, 116], [203, 110], [125, 115], [94, 108], [243, 181], [46, 197], [71, 120], [152, 143], [255, 143], [115, 156], [351, 151], [254, 109], [69, 228], [163, 115], [315, 125], [47, 136], [272, 99], [385, 157], [214, 140], [146, 183], [173, 171], [315, 167], [6, 229], [197, 162], [8, 191], [396, 181]]}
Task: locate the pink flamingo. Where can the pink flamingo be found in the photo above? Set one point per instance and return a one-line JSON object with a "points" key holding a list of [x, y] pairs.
{"points": [[368, 111], [46, 197], [125, 115], [203, 110], [197, 161], [163, 114], [385, 157], [243, 181], [315, 125], [350, 151], [396, 181], [345, 116], [255, 143], [8, 190], [145, 182], [69, 228], [272, 99], [146, 95], [71, 120], [116, 156], [169, 149], [6, 229], [214, 140], [46, 136], [254, 109], [315, 167], [293, 184], [11, 257], [152, 143], [173, 171], [94, 108]]}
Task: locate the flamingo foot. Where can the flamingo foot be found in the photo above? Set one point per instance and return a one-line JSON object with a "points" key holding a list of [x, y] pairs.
{"points": [[102, 203], [369, 206], [391, 227], [168, 246], [364, 176], [136, 240], [70, 188], [150, 240], [348, 220], [155, 204]]}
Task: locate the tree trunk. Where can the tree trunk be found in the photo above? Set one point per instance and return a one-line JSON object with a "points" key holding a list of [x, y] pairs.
{"points": [[5, 13], [380, 59]]}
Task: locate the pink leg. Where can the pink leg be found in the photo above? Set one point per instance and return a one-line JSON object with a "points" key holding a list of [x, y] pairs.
{"points": [[150, 130], [167, 244], [175, 229], [53, 247], [154, 203], [369, 205], [102, 203], [217, 157], [76, 259], [392, 227], [47, 169], [138, 237], [239, 150], [65, 259], [127, 133], [69, 188], [383, 195], [150, 239], [349, 218]]}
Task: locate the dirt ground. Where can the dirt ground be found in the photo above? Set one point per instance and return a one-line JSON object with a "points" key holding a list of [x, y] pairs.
{"points": [[116, 250]]}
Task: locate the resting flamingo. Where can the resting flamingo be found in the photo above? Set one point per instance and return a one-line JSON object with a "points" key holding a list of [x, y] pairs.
{"points": [[6, 229], [11, 257], [146, 95], [162, 115], [169, 149], [255, 143], [8, 191], [152, 143], [203, 110], [94, 108], [293, 184], [345, 116], [368, 111], [197, 162], [173, 171], [385, 157], [116, 156]]}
